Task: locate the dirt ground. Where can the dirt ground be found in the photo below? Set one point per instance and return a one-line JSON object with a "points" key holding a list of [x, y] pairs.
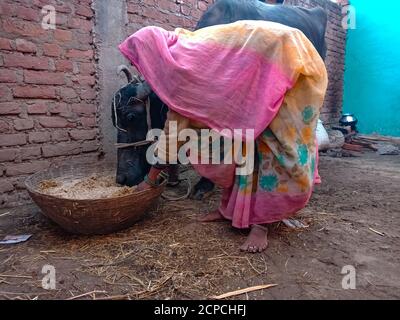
{"points": [[169, 255]]}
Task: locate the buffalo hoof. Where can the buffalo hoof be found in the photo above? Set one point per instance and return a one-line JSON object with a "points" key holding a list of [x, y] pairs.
{"points": [[202, 189]]}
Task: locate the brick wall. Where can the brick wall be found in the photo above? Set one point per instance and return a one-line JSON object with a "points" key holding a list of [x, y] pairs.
{"points": [[47, 91], [335, 59], [169, 14]]}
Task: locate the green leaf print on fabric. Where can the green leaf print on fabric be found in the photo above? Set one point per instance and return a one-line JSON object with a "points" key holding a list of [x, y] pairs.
{"points": [[312, 167], [268, 133], [281, 160], [308, 114], [269, 182], [302, 153], [242, 182]]}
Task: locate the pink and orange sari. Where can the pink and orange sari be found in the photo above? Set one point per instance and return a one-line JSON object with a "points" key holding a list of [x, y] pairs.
{"points": [[245, 75]]}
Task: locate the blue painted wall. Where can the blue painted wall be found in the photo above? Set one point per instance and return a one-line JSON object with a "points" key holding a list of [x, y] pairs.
{"points": [[372, 76]]}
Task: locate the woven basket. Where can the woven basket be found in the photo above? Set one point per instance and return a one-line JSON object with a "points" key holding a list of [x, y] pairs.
{"points": [[99, 216]]}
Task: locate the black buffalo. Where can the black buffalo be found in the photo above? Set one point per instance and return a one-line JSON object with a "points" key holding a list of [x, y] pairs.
{"points": [[129, 116], [132, 165], [312, 22]]}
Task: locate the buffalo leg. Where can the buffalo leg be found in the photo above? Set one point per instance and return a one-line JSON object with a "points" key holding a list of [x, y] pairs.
{"points": [[202, 189]]}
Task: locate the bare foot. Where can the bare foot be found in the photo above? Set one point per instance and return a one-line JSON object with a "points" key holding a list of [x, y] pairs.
{"points": [[212, 217], [257, 240]]}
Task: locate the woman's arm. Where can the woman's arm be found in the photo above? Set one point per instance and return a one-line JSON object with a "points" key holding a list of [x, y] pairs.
{"points": [[164, 154]]}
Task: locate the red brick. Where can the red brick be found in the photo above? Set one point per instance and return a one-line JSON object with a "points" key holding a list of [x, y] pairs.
{"points": [[135, 23], [81, 24], [89, 94], [84, 11], [154, 14], [10, 108], [43, 77], [85, 80], [7, 9], [42, 92], [64, 65], [54, 122], [83, 134], [196, 15], [186, 10], [7, 155], [59, 108], [23, 124], [9, 76], [5, 93], [80, 54], [23, 28], [26, 62], [5, 44], [68, 94], [168, 5], [29, 153], [84, 108], [28, 13], [190, 3], [62, 35], [61, 20], [25, 46], [52, 50], [202, 5], [37, 108], [63, 7], [4, 126], [12, 139], [90, 146], [134, 8], [6, 186], [27, 168], [39, 137], [61, 149], [59, 136], [151, 3], [85, 39], [175, 21], [88, 122], [188, 24], [86, 68]]}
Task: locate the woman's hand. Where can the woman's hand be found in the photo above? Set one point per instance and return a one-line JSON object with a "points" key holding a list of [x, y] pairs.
{"points": [[151, 177], [143, 186]]}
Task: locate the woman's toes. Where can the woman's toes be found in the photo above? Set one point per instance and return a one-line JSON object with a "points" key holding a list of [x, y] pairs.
{"points": [[256, 241], [211, 217]]}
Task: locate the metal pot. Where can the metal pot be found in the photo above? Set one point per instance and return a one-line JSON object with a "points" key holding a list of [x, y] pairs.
{"points": [[348, 120]]}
